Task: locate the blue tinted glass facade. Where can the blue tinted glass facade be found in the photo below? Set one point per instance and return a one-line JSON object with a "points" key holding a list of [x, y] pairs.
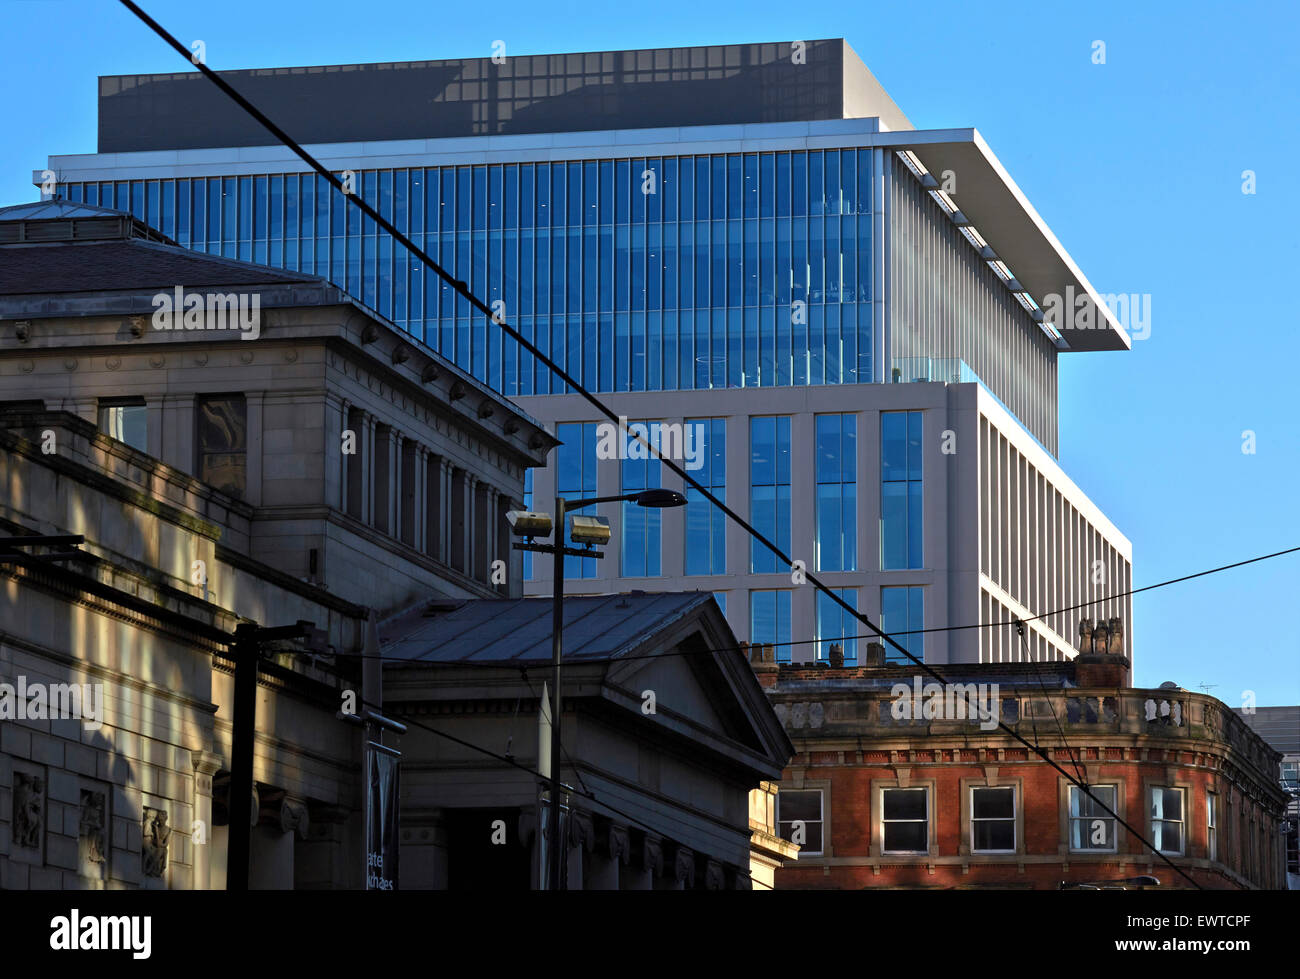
{"points": [[836, 625], [769, 489], [706, 525], [769, 621], [640, 540], [652, 274], [900, 490], [902, 610], [575, 466], [837, 493]]}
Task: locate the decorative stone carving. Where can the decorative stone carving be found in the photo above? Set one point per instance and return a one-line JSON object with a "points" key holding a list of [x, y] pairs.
{"points": [[294, 818], [94, 823], [684, 866], [1106, 637], [28, 810], [620, 848], [581, 831], [155, 837], [715, 878], [652, 856]]}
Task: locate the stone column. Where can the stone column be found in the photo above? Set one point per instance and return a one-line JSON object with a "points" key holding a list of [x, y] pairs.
{"points": [[178, 446], [336, 476], [420, 498], [206, 764], [581, 844], [395, 482], [611, 855], [367, 455], [471, 522], [642, 873], [444, 512]]}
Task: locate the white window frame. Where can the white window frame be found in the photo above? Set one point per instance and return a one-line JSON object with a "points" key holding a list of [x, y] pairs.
{"points": [[1071, 819], [1182, 823], [883, 821], [821, 821], [1211, 824], [1015, 836]]}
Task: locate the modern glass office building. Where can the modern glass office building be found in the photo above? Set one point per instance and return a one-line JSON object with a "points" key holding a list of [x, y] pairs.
{"points": [[839, 315]]}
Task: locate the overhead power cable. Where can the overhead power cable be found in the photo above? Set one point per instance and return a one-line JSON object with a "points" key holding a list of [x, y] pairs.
{"points": [[462, 289]]}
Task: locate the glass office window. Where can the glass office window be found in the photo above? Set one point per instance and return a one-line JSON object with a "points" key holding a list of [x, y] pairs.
{"points": [[1167, 819], [640, 538], [126, 420], [769, 488], [900, 490], [835, 546], [716, 236], [705, 545], [1212, 825], [769, 621], [902, 617], [993, 820], [799, 819], [721, 598], [835, 625], [905, 820], [575, 465], [222, 445], [1092, 828]]}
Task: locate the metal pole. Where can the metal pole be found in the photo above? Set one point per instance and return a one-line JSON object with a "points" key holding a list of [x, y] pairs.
{"points": [[557, 644], [240, 795]]}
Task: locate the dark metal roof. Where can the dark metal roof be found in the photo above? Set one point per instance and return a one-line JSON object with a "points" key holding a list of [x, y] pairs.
{"points": [[1279, 726], [122, 265], [596, 628], [55, 208], [59, 220]]}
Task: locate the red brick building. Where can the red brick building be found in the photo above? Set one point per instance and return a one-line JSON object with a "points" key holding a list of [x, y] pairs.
{"points": [[877, 798]]}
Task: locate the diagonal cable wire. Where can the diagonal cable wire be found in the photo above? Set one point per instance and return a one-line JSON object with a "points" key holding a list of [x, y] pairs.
{"points": [[462, 289]]}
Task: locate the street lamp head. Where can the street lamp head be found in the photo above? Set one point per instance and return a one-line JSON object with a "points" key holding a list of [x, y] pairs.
{"points": [[524, 523], [589, 531], [660, 499]]}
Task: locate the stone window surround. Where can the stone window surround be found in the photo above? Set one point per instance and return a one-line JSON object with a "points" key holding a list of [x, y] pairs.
{"points": [[903, 781], [822, 786], [1170, 780], [1094, 777], [991, 780]]}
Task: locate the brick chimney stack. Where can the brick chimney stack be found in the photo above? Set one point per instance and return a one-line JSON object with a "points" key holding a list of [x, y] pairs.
{"points": [[1101, 661], [762, 658]]}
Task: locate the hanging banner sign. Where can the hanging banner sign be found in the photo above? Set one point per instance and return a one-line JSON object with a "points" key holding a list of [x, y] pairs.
{"points": [[381, 817]]}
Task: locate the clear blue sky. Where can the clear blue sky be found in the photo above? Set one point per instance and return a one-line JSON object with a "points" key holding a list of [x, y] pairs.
{"points": [[1136, 165]]}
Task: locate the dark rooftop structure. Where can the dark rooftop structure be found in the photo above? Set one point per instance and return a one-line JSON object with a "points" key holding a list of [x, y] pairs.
{"points": [[596, 627], [63, 247], [786, 81]]}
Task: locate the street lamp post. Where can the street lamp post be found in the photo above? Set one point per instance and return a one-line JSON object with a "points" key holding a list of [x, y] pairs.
{"points": [[593, 533]]}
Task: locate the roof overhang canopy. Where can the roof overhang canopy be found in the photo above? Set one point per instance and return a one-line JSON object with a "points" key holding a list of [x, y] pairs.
{"points": [[1004, 218]]}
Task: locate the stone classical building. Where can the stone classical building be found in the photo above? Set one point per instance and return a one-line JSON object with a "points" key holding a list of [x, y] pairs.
{"points": [[665, 736], [326, 468], [273, 454], [895, 785]]}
